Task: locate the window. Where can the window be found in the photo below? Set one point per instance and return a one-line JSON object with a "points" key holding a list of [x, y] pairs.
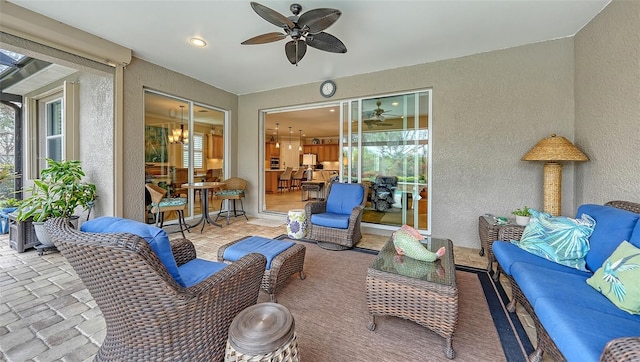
{"points": [[54, 137], [53, 126], [198, 151]]}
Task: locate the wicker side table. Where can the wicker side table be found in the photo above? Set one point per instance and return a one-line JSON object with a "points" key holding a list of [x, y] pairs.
{"points": [[488, 231], [263, 332]]}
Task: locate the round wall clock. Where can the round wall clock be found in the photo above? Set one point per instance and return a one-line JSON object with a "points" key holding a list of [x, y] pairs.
{"points": [[328, 88]]}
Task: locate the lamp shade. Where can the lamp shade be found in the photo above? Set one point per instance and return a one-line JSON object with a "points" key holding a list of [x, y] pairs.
{"points": [[308, 159], [554, 148]]}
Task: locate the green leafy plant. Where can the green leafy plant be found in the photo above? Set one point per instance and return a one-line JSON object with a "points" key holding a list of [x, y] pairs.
{"points": [[522, 212], [8, 203], [58, 192]]}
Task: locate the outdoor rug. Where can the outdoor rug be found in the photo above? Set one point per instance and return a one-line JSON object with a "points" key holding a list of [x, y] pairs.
{"points": [[331, 316]]}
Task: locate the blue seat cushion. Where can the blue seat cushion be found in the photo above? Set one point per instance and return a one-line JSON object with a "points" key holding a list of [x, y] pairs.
{"points": [[568, 288], [157, 238], [256, 244], [507, 254], [331, 220], [344, 197], [581, 333], [613, 226], [198, 270]]}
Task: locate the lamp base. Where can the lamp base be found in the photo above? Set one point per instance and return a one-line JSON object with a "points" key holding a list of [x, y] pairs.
{"points": [[552, 183]]}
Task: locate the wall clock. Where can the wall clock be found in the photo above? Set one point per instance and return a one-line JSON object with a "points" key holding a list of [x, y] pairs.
{"points": [[328, 88]]}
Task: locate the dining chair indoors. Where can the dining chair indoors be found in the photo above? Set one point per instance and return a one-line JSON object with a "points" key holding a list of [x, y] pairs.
{"points": [[160, 205], [233, 189]]}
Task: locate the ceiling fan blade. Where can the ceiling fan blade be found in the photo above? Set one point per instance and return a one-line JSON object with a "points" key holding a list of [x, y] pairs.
{"points": [[272, 16], [265, 38], [295, 50], [317, 20], [327, 42]]}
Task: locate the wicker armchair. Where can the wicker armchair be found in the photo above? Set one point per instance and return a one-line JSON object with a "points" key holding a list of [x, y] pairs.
{"points": [[149, 316], [334, 238]]}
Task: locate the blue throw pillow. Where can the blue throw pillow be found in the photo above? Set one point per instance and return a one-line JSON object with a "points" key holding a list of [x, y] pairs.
{"points": [[157, 238], [560, 239]]}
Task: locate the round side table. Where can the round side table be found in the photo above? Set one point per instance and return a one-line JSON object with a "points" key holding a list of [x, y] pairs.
{"points": [[264, 332], [296, 224]]}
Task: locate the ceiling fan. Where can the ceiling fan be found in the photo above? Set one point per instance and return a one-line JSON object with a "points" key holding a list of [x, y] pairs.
{"points": [[376, 117], [306, 29]]}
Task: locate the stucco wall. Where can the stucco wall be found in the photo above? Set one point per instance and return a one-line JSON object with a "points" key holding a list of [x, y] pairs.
{"points": [[96, 113], [607, 83], [140, 75], [488, 111]]}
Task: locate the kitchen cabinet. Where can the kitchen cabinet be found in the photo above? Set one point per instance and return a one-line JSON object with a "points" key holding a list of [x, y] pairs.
{"points": [[215, 146], [270, 150], [271, 180], [324, 152]]}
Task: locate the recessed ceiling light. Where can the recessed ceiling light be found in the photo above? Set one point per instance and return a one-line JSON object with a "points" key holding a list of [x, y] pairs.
{"points": [[395, 104], [198, 42], [332, 110]]}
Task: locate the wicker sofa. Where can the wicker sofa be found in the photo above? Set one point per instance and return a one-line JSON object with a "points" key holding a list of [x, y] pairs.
{"points": [[574, 321], [149, 314]]}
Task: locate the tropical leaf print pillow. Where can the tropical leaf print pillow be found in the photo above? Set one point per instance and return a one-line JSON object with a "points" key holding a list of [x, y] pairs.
{"points": [[619, 278], [558, 238]]}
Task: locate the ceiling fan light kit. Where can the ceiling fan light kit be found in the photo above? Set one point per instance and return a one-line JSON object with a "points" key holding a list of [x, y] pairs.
{"points": [[306, 29]]}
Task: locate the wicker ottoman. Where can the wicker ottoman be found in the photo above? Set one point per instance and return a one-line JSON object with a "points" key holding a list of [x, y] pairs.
{"points": [[263, 332], [282, 266]]}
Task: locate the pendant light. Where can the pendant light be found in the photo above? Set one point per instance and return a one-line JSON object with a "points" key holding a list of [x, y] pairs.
{"points": [[277, 138], [290, 137], [179, 135], [300, 145]]}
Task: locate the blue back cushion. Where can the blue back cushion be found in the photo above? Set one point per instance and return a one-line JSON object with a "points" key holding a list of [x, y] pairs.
{"points": [[344, 197], [157, 238], [635, 236], [613, 226]]}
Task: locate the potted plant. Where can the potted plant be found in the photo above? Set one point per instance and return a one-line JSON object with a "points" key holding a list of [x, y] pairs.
{"points": [[522, 216], [58, 193]]}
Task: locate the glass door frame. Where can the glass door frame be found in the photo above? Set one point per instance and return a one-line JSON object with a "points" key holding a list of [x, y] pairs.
{"points": [[354, 106], [190, 126]]}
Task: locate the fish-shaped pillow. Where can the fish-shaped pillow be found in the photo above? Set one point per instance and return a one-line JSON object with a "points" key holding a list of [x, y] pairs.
{"points": [[407, 242]]}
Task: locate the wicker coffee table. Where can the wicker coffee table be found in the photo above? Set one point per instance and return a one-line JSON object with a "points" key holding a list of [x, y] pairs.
{"points": [[423, 292]]}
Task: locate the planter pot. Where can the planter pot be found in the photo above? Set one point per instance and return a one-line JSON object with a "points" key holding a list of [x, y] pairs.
{"points": [[41, 232], [522, 220]]}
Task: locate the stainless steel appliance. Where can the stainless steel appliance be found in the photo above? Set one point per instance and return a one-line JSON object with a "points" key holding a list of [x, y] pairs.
{"points": [[275, 163]]}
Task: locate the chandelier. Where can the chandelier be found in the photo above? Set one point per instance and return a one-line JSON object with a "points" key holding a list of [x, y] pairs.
{"points": [[179, 135]]}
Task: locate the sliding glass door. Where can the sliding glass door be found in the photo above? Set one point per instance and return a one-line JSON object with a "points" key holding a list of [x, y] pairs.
{"points": [[184, 142], [385, 144]]}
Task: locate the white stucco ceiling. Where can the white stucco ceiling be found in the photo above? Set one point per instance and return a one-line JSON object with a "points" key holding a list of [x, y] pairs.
{"points": [[378, 34]]}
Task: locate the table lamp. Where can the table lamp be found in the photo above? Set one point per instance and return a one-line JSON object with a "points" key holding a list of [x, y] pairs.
{"points": [[309, 160], [553, 149]]}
